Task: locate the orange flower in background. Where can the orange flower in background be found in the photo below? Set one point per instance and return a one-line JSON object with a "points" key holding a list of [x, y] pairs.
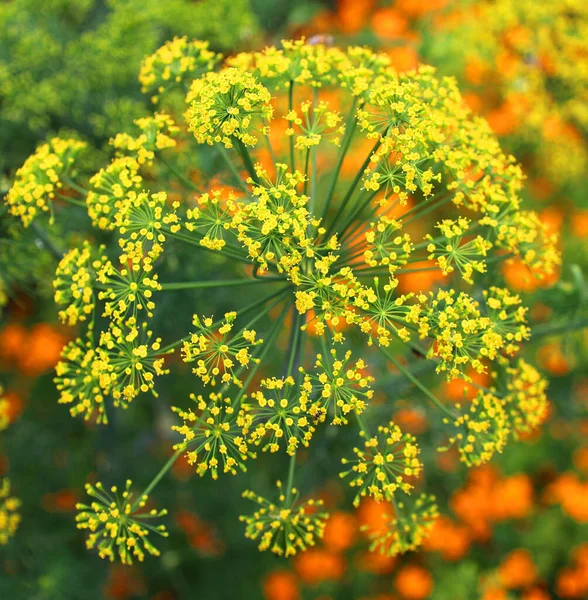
{"points": [[353, 14], [376, 563], [420, 280], [512, 498], [535, 594], [124, 582], [581, 459], [475, 71], [572, 494], [340, 531], [520, 278], [415, 9], [389, 23], [504, 119], [281, 585], [201, 535], [60, 501], [551, 357], [403, 58], [316, 565], [43, 349], [580, 223], [12, 342], [518, 569], [450, 539], [572, 582], [494, 593], [412, 420], [15, 405], [414, 582], [374, 516]]}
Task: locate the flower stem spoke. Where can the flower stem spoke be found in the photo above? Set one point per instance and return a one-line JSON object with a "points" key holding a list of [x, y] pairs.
{"points": [[417, 383], [246, 158], [74, 186], [350, 126], [168, 465], [189, 184], [190, 285]]}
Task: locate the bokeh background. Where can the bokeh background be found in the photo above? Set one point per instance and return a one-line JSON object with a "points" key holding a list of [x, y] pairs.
{"points": [[514, 529]]}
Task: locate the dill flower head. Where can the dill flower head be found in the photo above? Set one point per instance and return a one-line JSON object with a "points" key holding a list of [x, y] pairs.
{"points": [[4, 410], [177, 61], [109, 189], [481, 430], [74, 282], [119, 525], [9, 516], [407, 528], [84, 377], [157, 133], [338, 387], [218, 354], [227, 106], [336, 180], [524, 397], [285, 527], [280, 416], [384, 464], [39, 180], [213, 435]]}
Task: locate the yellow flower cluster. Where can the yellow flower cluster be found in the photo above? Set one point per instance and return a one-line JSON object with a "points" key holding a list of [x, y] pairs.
{"points": [[524, 397], [176, 61], [228, 107], [217, 354], [342, 177], [110, 187], [280, 416], [407, 528], [74, 282], [285, 527], [481, 430], [118, 525], [384, 465], [340, 388], [4, 410], [213, 436], [9, 516], [39, 180], [157, 133]]}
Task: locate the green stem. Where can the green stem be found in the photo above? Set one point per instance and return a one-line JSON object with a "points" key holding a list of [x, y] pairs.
{"points": [[57, 253], [72, 201], [190, 285], [267, 345], [290, 482], [363, 426], [290, 107], [74, 186], [246, 158], [179, 175], [168, 465], [232, 168], [547, 329], [350, 125], [418, 384], [355, 182]]}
